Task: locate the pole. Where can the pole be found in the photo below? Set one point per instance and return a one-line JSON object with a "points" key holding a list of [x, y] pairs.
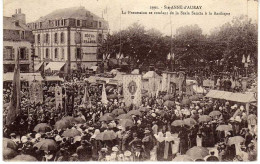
{"points": [[171, 42], [120, 48]]}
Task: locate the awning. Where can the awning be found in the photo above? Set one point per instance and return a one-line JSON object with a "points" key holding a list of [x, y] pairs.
{"points": [[38, 66], [53, 78], [55, 66], [230, 96], [23, 76]]}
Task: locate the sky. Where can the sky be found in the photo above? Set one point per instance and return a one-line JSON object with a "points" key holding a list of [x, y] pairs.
{"points": [[34, 9]]}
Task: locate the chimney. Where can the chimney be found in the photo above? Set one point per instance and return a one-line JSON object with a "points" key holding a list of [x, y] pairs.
{"points": [[19, 16]]}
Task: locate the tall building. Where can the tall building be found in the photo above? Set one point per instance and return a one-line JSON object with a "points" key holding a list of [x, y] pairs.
{"points": [[68, 39], [17, 40]]}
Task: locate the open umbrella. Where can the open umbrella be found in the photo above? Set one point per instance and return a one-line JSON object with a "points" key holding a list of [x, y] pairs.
{"points": [[134, 112], [185, 101], [123, 116], [178, 123], [8, 143], [112, 96], [71, 133], [109, 114], [168, 97], [194, 98], [9, 153], [144, 109], [80, 120], [42, 128], [126, 123], [169, 103], [117, 112], [224, 128], [106, 136], [23, 157], [204, 118], [189, 121], [62, 124], [235, 140], [215, 113], [106, 118], [69, 119], [46, 145], [182, 158], [197, 152]]}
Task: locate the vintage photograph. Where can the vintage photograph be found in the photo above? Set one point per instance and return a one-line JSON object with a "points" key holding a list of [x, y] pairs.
{"points": [[135, 80]]}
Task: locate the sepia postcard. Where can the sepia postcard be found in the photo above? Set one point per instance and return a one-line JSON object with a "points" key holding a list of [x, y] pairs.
{"points": [[135, 80]]}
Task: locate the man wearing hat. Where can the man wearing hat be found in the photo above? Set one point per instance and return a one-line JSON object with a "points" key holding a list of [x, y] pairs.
{"points": [[136, 146], [148, 143], [84, 151]]}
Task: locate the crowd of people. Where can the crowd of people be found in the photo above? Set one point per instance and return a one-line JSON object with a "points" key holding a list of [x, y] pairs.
{"points": [[162, 128]]}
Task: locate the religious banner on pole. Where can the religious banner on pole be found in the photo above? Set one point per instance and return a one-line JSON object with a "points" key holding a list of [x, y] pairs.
{"points": [[58, 97], [36, 92], [153, 85], [132, 89]]}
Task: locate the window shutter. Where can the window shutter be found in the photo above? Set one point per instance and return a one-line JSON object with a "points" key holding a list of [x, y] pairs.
{"points": [[76, 53], [81, 53], [12, 54], [26, 53], [5, 54]]}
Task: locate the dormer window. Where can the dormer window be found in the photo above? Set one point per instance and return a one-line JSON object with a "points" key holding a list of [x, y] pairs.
{"points": [[78, 23], [16, 23], [99, 24]]}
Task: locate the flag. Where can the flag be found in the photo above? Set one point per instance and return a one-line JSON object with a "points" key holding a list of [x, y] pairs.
{"points": [[248, 59], [158, 90], [14, 107], [243, 59], [118, 56], [104, 56], [173, 56], [104, 95], [121, 56], [85, 99], [169, 56]]}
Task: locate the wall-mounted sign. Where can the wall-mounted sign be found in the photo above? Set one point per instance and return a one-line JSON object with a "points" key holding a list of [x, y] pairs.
{"points": [[89, 37]]}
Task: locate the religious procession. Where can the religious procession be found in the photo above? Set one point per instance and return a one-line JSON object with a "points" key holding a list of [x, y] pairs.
{"points": [[74, 91]]}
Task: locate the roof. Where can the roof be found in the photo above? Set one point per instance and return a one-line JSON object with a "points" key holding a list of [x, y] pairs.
{"points": [[135, 71], [198, 89], [53, 78], [151, 74], [55, 66], [237, 97], [9, 24], [23, 76], [73, 12], [38, 66], [94, 68]]}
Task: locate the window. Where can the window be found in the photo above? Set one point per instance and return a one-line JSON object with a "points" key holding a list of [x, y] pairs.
{"points": [[47, 55], [99, 24], [8, 53], [24, 53], [55, 38], [39, 38], [91, 24], [56, 53], [78, 23], [62, 53], [40, 24], [62, 37], [78, 53], [58, 23], [22, 35], [47, 38], [39, 53]]}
